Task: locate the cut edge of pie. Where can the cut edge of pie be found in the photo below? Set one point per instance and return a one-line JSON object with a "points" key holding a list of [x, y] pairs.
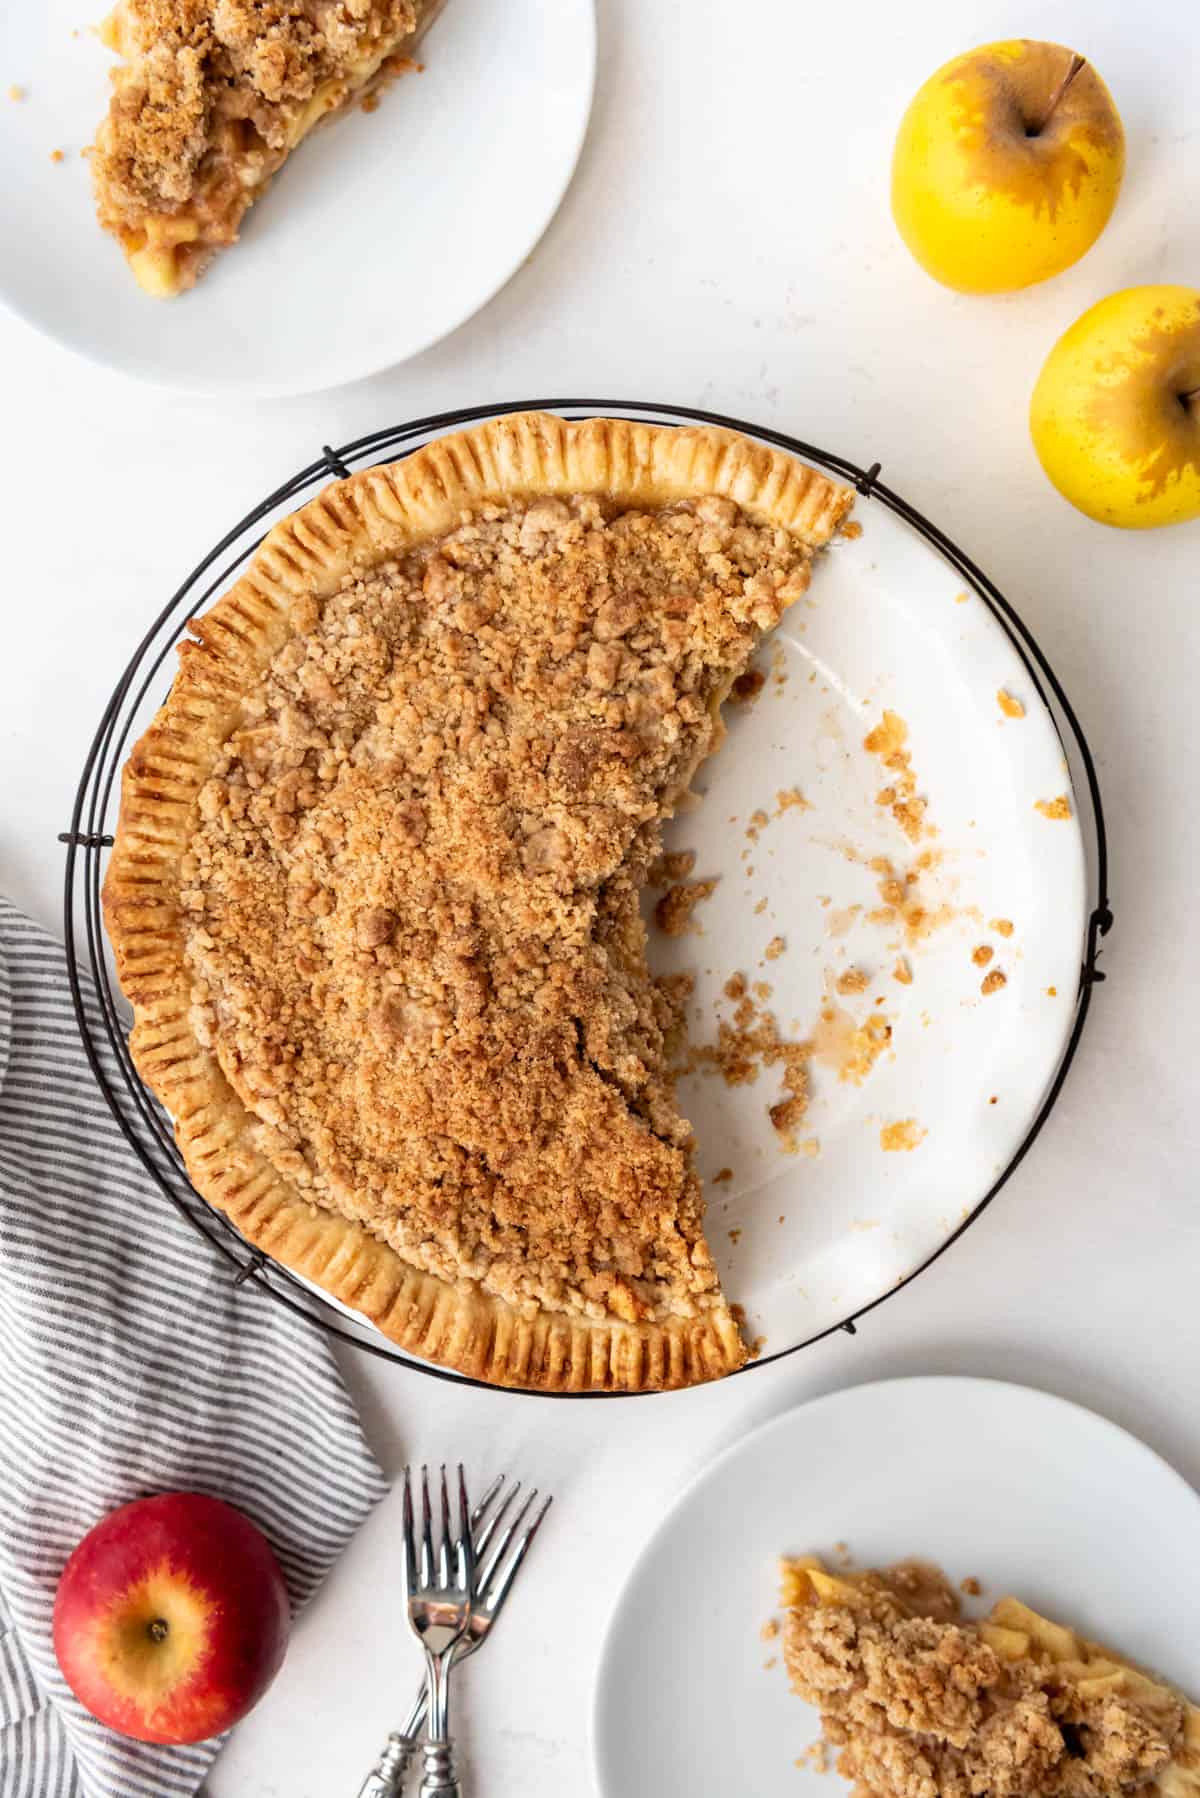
{"points": [[1054, 1656], [169, 245], [354, 524]]}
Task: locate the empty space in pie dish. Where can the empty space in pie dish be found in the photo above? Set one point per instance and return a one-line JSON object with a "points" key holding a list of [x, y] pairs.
{"points": [[920, 1089]]}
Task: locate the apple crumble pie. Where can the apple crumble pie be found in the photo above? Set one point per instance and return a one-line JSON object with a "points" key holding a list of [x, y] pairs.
{"points": [[375, 893], [920, 1703], [211, 97]]}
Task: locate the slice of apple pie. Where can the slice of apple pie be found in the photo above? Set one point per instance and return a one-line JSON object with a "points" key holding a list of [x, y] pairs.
{"points": [[922, 1703], [211, 97]]}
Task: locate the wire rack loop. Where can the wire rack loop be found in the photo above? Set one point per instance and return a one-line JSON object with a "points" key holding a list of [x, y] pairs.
{"points": [[334, 463], [100, 1010]]}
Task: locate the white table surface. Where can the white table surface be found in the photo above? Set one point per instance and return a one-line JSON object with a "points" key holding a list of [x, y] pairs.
{"points": [[726, 242]]}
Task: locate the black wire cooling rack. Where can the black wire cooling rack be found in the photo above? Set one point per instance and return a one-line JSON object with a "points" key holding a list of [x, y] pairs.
{"points": [[103, 1021]]}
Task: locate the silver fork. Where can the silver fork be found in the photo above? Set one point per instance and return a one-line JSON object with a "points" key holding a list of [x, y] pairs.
{"points": [[493, 1583], [439, 1591]]}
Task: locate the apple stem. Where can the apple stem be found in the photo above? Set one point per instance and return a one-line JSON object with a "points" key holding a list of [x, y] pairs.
{"points": [[1078, 64], [157, 1630]]}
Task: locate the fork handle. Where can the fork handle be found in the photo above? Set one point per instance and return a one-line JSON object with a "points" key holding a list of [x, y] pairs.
{"points": [[439, 1779], [387, 1780]]}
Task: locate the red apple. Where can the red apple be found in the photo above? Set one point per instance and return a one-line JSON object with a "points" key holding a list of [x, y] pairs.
{"points": [[171, 1618]]}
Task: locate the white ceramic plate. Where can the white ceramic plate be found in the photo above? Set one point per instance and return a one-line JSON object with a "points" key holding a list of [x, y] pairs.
{"points": [[1028, 1493], [380, 236]]}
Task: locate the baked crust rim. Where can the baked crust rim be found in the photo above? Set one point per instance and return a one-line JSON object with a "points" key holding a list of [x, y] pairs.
{"points": [[350, 526]]}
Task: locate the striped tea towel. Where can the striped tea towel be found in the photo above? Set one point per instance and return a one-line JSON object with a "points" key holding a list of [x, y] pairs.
{"points": [[128, 1365]]}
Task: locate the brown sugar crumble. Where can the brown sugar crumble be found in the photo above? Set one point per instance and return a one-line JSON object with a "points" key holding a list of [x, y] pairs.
{"points": [[971, 1586], [917, 1701], [16, 93], [769, 1630], [791, 799], [1052, 992], [723, 1177], [752, 1040], [904, 908], [839, 1041], [887, 741], [903, 972], [904, 1135], [982, 955], [775, 948], [1053, 808], [758, 823], [515, 707], [1011, 707], [991, 983], [58, 156], [673, 913], [1002, 926], [671, 866], [852, 980]]}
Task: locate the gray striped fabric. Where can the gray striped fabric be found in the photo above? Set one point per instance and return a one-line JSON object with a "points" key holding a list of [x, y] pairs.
{"points": [[128, 1365]]}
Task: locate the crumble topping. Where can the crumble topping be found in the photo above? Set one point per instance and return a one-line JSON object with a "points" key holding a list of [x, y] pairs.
{"points": [[411, 896], [905, 1134], [1054, 808], [670, 867], [213, 93], [900, 797], [673, 913], [752, 1040], [922, 1704], [851, 980]]}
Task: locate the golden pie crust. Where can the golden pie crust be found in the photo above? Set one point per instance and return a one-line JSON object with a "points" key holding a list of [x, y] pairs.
{"points": [[374, 892], [209, 100]]}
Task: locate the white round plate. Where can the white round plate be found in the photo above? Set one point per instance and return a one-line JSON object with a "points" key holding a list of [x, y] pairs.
{"points": [[1023, 1491], [382, 234]]}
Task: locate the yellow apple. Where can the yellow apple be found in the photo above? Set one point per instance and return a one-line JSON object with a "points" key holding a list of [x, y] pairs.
{"points": [[1007, 166], [1115, 415]]}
